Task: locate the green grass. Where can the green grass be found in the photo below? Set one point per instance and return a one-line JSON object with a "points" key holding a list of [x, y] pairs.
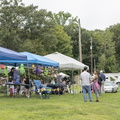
{"points": [[64, 107]]}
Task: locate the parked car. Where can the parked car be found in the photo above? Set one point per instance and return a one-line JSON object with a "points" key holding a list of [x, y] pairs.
{"points": [[117, 81], [110, 86]]}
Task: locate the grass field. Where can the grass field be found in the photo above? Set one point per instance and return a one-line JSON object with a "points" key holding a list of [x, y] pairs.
{"points": [[64, 107]]}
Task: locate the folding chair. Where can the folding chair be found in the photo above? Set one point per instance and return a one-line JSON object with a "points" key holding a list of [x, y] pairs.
{"points": [[41, 91]]}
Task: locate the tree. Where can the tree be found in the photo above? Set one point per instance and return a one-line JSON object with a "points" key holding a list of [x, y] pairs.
{"points": [[105, 50], [39, 27], [11, 22], [63, 41], [61, 18], [115, 29]]}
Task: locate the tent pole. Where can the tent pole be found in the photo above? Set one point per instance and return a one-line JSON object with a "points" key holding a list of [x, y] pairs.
{"points": [[80, 82], [59, 83], [36, 70], [7, 76], [58, 69], [28, 70], [73, 81]]}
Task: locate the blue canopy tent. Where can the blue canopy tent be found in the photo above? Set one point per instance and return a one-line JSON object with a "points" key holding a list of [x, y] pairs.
{"points": [[6, 54], [33, 59]]}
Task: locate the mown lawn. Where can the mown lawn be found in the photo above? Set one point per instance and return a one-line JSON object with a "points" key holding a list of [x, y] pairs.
{"points": [[64, 107]]}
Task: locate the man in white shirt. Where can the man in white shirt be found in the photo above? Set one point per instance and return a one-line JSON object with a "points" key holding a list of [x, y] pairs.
{"points": [[86, 86]]}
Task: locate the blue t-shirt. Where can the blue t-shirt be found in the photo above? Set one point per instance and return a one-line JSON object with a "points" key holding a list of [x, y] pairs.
{"points": [[103, 76]]}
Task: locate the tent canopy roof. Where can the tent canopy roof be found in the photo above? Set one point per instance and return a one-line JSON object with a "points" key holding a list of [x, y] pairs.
{"points": [[6, 54], [30, 58], [37, 59], [66, 63]]}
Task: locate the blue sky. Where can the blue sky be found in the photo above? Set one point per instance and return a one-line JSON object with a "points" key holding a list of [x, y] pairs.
{"points": [[94, 14]]}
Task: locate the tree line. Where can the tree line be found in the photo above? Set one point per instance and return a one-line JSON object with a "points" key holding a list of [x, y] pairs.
{"points": [[26, 28]]}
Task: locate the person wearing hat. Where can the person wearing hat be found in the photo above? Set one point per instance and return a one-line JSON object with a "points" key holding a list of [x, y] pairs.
{"points": [[103, 80]]}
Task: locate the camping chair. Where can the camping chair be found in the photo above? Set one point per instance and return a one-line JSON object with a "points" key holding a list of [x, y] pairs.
{"points": [[41, 91]]}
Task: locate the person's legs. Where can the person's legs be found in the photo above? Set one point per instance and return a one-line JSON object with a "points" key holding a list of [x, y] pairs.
{"points": [[102, 87], [28, 92], [89, 93], [97, 96], [96, 93], [100, 90], [84, 93]]}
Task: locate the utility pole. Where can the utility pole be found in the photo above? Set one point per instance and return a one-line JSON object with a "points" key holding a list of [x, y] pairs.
{"points": [[94, 64], [80, 44], [91, 56]]}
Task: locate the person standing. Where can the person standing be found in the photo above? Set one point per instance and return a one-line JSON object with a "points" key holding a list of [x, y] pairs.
{"points": [[59, 78], [11, 74], [95, 85], [86, 84], [103, 80]]}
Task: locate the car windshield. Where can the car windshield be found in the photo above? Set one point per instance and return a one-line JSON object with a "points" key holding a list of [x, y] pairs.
{"points": [[109, 84]]}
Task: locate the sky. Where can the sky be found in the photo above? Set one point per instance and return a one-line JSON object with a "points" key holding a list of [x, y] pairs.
{"points": [[93, 14]]}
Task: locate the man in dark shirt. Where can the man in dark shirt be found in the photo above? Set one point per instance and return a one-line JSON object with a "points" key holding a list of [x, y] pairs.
{"points": [[102, 76], [103, 80], [11, 73]]}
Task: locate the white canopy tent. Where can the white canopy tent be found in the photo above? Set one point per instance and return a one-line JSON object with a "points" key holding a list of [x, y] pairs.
{"points": [[65, 62]]}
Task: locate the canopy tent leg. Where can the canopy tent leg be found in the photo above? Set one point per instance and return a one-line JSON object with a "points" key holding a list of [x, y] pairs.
{"points": [[28, 70], [73, 80]]}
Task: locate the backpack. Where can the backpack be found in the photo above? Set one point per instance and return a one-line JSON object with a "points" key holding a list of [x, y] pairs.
{"points": [[99, 80]]}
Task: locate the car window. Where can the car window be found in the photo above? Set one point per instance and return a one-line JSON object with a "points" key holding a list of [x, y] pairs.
{"points": [[108, 84]]}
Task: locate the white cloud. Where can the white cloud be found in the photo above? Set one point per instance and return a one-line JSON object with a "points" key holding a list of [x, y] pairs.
{"points": [[94, 14]]}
